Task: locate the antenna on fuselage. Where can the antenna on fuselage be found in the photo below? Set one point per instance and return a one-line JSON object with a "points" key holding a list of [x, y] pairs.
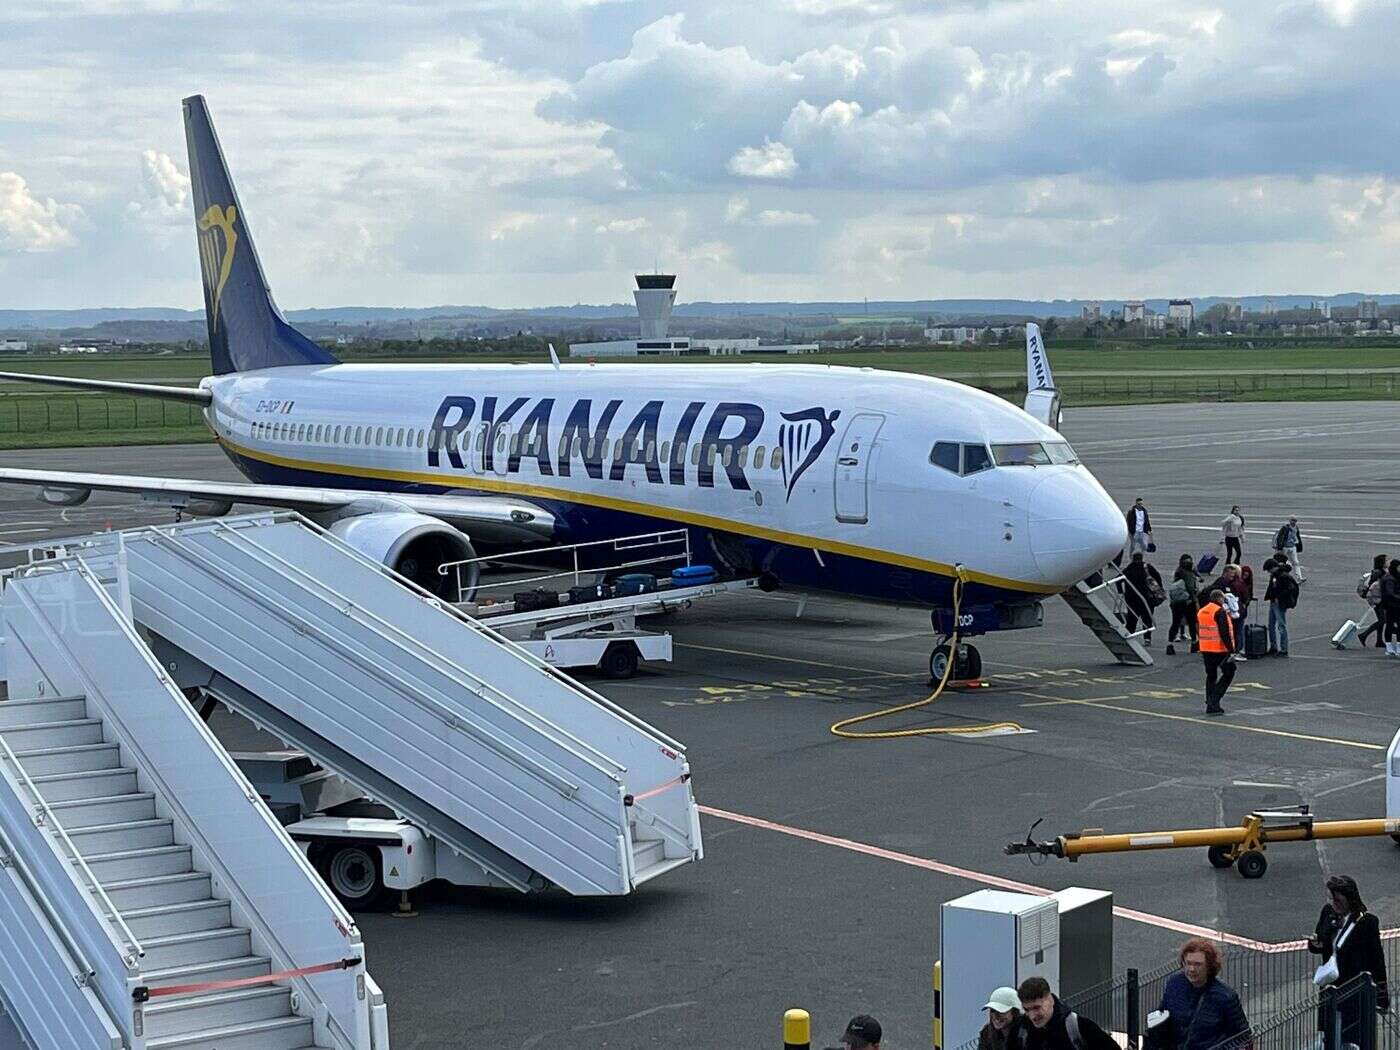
{"points": [[553, 357]]}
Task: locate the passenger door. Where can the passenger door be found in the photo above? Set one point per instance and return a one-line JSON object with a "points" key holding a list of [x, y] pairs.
{"points": [[853, 467]]}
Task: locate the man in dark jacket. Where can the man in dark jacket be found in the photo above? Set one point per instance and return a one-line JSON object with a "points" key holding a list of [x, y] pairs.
{"points": [[1205, 1011], [1048, 1024], [1288, 541], [1138, 597], [1139, 527], [1282, 595]]}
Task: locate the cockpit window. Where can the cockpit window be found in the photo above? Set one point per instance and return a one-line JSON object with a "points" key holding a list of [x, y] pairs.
{"points": [[976, 458], [945, 454], [1061, 452], [1021, 454]]}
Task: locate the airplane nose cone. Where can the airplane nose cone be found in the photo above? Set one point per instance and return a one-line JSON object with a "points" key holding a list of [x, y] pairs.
{"points": [[1074, 528]]}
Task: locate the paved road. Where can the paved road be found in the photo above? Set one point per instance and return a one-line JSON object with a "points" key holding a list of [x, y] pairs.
{"points": [[832, 904]]}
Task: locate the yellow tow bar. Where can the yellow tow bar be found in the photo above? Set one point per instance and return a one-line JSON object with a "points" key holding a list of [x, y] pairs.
{"points": [[1242, 847]]}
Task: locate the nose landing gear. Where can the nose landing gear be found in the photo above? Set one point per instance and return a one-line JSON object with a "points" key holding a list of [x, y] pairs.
{"points": [[967, 664]]}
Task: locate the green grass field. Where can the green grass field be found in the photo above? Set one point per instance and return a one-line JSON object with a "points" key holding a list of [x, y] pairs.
{"points": [[1160, 371]]}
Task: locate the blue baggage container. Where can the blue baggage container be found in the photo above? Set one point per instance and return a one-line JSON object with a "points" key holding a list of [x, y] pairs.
{"points": [[693, 575]]}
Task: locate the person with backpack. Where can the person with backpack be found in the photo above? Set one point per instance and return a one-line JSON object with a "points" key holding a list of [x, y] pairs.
{"points": [[1282, 595], [1288, 541], [1048, 1024], [1368, 589], [1390, 607], [1185, 585], [1143, 595]]}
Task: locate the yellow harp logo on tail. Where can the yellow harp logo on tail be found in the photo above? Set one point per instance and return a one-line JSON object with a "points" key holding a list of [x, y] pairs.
{"points": [[216, 253]]}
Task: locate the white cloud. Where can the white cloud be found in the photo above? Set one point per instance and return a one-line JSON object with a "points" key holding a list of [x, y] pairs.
{"points": [[29, 224], [623, 226], [772, 160], [165, 192], [777, 217], [736, 209]]}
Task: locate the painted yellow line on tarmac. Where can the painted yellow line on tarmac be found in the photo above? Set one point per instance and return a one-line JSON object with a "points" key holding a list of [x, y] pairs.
{"points": [[1216, 723], [794, 660]]}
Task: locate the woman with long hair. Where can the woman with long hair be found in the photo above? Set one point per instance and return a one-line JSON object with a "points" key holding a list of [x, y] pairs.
{"points": [[1390, 607], [1345, 929]]}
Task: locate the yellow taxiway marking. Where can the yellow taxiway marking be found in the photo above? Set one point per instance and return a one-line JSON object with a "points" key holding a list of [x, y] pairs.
{"points": [[794, 660], [1218, 724]]}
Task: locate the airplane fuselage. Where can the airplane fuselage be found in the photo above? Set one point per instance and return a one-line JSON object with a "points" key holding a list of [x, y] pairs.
{"points": [[819, 476]]}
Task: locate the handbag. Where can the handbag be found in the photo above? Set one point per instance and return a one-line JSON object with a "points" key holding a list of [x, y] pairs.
{"points": [[1329, 972]]}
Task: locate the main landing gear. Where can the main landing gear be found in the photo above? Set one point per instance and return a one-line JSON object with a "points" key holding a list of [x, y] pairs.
{"points": [[967, 664]]}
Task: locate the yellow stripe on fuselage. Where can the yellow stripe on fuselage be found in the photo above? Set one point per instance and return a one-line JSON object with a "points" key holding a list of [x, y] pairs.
{"points": [[523, 488]]}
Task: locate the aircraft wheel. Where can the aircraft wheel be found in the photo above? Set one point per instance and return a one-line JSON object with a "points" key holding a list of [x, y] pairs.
{"points": [[937, 664], [1251, 864], [1220, 857], [971, 664]]}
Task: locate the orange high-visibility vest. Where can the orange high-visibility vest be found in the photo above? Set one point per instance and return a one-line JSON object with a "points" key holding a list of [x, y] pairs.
{"points": [[1209, 632]]}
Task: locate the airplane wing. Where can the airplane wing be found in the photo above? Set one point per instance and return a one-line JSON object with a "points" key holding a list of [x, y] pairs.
{"points": [[489, 518], [1042, 399]]}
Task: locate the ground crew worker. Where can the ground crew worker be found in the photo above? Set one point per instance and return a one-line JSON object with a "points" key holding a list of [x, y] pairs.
{"points": [[1217, 634]]}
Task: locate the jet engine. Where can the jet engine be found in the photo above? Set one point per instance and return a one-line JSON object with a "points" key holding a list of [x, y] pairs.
{"points": [[413, 545]]}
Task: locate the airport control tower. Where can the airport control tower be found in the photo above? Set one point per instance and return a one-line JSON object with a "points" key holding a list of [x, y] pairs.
{"points": [[656, 294]]}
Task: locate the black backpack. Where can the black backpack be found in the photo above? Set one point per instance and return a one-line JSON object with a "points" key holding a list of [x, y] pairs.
{"points": [[1286, 591]]}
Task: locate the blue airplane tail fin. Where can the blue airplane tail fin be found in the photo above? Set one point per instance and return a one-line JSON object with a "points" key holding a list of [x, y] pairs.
{"points": [[246, 330]]}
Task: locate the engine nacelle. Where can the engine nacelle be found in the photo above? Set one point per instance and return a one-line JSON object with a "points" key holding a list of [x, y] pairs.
{"points": [[63, 496], [413, 545]]}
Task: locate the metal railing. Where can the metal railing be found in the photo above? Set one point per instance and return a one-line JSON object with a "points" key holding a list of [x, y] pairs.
{"points": [[672, 545], [10, 858], [1118, 585], [43, 814]]}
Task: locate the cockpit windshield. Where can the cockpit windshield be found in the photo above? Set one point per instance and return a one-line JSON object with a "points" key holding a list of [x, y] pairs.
{"points": [[1033, 453]]}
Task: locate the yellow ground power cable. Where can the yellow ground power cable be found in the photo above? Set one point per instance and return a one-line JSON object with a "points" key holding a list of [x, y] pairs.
{"points": [[839, 728]]}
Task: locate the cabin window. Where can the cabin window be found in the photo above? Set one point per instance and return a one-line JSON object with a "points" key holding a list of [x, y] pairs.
{"points": [[422, 436], [317, 438], [728, 456], [651, 451], [695, 454], [563, 448], [359, 434], [578, 446], [743, 455], [1020, 454], [775, 461], [946, 454], [975, 458], [516, 444], [758, 457], [481, 439], [335, 435], [665, 452]]}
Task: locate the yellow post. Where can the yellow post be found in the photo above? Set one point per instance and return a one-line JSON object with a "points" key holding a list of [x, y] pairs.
{"points": [[938, 1004], [797, 1030]]}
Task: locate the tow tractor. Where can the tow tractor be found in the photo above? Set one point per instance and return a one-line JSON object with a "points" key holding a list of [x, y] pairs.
{"points": [[591, 622], [1240, 847]]}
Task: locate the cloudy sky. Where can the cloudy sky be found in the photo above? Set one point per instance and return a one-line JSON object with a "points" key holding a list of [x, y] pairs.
{"points": [[534, 152]]}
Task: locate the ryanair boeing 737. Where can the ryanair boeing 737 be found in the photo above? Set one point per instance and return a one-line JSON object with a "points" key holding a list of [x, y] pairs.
{"points": [[878, 485]]}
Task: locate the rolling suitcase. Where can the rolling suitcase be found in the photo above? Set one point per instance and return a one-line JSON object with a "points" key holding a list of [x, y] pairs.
{"points": [[539, 598], [1345, 635], [1207, 563], [1256, 640], [589, 592], [693, 575], [634, 583]]}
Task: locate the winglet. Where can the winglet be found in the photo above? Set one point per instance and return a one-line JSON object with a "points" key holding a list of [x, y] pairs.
{"points": [[553, 357], [1042, 399]]}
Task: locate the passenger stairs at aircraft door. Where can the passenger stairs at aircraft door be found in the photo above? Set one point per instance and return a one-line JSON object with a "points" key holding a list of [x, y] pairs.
{"points": [[527, 774], [132, 880], [1098, 601]]}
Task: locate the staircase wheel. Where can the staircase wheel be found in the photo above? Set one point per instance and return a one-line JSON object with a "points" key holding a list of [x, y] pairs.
{"points": [[354, 873]]}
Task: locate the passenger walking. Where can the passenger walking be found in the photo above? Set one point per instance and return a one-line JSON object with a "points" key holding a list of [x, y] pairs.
{"points": [[1048, 1024], [1368, 589], [1185, 585], [1003, 1009], [1205, 1011], [1143, 594], [1232, 532], [1390, 607], [1288, 541], [1349, 933], [1282, 595], [862, 1033], [1216, 631], [1139, 529]]}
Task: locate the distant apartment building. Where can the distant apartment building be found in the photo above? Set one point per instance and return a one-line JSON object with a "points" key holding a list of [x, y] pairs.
{"points": [[1181, 313], [1134, 312], [1368, 310], [1234, 311], [1322, 308], [1270, 308], [958, 335], [1155, 322], [1091, 311], [13, 346]]}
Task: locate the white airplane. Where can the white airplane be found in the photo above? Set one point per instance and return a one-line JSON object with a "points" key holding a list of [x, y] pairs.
{"points": [[873, 484]]}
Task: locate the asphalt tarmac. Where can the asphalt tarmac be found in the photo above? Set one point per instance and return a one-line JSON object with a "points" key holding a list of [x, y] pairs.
{"points": [[826, 860]]}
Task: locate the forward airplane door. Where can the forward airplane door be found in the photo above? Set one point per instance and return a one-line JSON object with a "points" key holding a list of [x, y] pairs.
{"points": [[853, 468]]}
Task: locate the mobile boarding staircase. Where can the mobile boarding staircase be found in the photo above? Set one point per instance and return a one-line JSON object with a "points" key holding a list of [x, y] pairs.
{"points": [[1098, 602], [148, 899]]}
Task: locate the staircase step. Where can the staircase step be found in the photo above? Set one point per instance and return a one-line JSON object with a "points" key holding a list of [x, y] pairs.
{"points": [[188, 949], [645, 854], [109, 809], [55, 734], [124, 865], [97, 783], [41, 712], [209, 972], [193, 1013], [163, 920], [43, 761], [124, 835], [281, 1033], [159, 889]]}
